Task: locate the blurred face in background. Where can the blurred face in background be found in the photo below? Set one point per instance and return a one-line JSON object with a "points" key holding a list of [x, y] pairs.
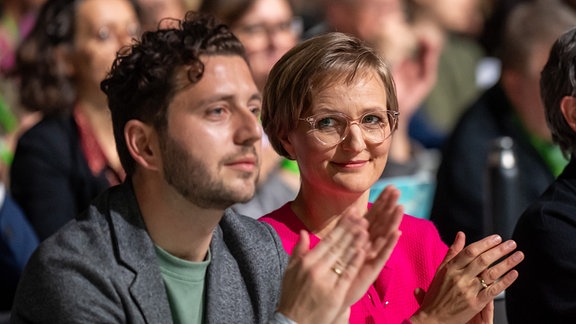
{"points": [[29, 4], [363, 18], [102, 28], [523, 90], [267, 30], [461, 16], [153, 11]]}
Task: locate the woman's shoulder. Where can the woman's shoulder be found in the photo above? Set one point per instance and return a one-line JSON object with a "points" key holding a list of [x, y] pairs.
{"points": [[283, 216]]}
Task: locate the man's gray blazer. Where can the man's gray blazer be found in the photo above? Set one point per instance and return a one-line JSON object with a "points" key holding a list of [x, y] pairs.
{"points": [[102, 268]]}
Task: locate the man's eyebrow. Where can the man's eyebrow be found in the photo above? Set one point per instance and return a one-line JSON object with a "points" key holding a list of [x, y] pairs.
{"points": [[214, 98], [255, 96]]}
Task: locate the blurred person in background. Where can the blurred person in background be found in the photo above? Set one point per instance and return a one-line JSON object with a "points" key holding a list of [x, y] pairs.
{"points": [[17, 238], [17, 18], [17, 242], [310, 11], [69, 157], [491, 36], [412, 45], [360, 18], [457, 23], [510, 108], [153, 11], [267, 29]]}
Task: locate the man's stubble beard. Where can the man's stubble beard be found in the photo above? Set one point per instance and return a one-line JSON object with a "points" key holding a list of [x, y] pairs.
{"points": [[191, 177]]}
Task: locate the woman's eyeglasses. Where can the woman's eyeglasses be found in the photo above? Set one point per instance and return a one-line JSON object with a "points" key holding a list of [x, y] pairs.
{"points": [[333, 127]]}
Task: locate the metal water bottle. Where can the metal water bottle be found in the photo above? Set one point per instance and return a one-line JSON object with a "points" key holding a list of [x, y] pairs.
{"points": [[501, 209]]}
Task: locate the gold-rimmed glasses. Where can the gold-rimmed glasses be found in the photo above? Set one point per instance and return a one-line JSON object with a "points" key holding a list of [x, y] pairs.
{"points": [[331, 128]]}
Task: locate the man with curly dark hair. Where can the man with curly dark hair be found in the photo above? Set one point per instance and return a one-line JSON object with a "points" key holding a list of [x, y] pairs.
{"points": [[162, 247]]}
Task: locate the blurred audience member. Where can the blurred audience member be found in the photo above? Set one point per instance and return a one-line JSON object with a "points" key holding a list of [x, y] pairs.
{"points": [[267, 29], [491, 36], [17, 242], [413, 51], [510, 108], [69, 157], [361, 18], [16, 20], [547, 229], [153, 11], [458, 23], [310, 11]]}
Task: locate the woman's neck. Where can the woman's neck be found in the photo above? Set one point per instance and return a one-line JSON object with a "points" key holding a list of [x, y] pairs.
{"points": [[320, 211]]}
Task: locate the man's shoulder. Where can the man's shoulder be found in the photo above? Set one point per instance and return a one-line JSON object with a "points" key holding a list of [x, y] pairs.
{"points": [[91, 237], [84, 239], [88, 267], [247, 230], [249, 258], [554, 209], [249, 241], [68, 262]]}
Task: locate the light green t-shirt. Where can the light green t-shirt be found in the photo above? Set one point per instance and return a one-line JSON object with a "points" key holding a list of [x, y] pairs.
{"points": [[184, 281]]}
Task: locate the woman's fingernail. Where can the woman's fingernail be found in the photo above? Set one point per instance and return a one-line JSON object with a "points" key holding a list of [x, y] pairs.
{"points": [[517, 256], [510, 244]]}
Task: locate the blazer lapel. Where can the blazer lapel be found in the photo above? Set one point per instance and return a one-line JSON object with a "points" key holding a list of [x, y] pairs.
{"points": [[136, 251]]}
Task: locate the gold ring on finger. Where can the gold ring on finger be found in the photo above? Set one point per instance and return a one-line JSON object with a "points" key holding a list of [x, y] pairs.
{"points": [[483, 283], [337, 270]]}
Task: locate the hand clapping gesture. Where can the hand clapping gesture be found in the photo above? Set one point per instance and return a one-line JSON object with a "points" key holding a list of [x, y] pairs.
{"points": [[321, 284], [467, 281]]}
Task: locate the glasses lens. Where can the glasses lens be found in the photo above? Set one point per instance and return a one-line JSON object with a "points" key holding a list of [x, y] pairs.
{"points": [[375, 126], [330, 128], [374, 135]]}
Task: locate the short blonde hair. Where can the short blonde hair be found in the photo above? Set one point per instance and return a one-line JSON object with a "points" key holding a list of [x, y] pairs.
{"points": [[310, 67]]}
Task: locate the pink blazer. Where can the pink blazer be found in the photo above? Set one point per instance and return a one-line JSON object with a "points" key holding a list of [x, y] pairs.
{"points": [[412, 265]]}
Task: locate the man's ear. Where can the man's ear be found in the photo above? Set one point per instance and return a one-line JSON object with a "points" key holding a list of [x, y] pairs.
{"points": [[568, 107], [143, 145]]}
